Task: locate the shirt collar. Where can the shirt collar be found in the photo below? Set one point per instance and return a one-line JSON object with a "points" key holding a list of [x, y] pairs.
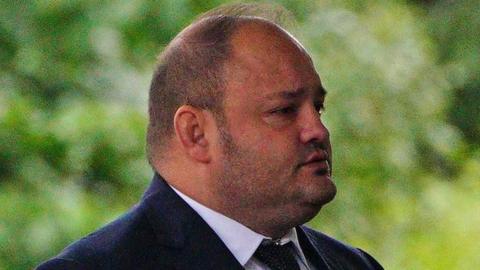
{"points": [[291, 236], [239, 239]]}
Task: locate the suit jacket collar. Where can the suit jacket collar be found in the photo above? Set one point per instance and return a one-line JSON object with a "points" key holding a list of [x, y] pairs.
{"points": [[311, 252], [179, 227]]}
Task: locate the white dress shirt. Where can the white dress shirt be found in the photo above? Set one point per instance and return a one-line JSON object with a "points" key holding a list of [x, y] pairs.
{"points": [[241, 240]]}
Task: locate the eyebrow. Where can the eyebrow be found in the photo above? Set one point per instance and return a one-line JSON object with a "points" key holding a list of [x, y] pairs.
{"points": [[296, 93]]}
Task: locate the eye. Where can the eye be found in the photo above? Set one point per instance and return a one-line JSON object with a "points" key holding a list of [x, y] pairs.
{"points": [[285, 110], [319, 107]]}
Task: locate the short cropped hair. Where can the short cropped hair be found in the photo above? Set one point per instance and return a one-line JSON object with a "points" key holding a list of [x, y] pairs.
{"points": [[190, 69]]}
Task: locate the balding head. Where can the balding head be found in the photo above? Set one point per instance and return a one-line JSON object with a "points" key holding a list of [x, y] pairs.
{"points": [[190, 71], [259, 49]]}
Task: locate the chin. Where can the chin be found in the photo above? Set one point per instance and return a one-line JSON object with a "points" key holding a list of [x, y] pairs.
{"points": [[328, 193], [318, 199], [305, 208], [312, 205], [321, 191]]}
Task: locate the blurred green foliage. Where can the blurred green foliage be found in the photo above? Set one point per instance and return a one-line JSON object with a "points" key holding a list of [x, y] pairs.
{"points": [[403, 80]]}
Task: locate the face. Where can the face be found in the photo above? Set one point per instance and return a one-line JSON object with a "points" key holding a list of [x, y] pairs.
{"points": [[275, 157]]}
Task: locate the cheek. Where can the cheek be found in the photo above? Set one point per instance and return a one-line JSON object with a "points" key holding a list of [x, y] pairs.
{"points": [[280, 151], [278, 146]]}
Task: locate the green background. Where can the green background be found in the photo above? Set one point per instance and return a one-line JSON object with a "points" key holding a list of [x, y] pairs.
{"points": [[403, 110]]}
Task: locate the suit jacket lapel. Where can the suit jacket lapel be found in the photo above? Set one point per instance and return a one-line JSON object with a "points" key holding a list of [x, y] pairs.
{"points": [[180, 229], [311, 252]]}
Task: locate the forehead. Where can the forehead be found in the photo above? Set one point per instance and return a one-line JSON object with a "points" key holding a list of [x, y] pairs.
{"points": [[266, 60], [294, 94]]}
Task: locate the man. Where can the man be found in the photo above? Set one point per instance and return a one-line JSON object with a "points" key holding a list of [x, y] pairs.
{"points": [[241, 156]]}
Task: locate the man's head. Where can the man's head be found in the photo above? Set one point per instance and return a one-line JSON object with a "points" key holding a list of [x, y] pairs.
{"points": [[262, 155]]}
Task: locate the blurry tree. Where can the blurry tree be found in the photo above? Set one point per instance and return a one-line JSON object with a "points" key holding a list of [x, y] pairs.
{"points": [[455, 27], [403, 82]]}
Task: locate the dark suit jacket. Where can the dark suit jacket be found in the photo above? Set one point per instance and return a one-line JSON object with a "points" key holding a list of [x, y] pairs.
{"points": [[163, 232]]}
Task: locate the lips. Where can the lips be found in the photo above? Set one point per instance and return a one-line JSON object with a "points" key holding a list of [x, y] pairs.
{"points": [[320, 167], [316, 157], [319, 161]]}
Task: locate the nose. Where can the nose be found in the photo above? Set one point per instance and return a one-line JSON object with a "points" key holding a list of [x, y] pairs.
{"points": [[312, 130]]}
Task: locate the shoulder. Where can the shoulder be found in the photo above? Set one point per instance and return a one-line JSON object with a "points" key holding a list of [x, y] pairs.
{"points": [[121, 243], [57, 263], [338, 254]]}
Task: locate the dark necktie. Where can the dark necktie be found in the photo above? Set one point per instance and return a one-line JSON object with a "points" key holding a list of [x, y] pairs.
{"points": [[276, 256]]}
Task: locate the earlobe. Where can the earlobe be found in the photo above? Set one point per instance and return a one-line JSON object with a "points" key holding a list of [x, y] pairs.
{"points": [[189, 124]]}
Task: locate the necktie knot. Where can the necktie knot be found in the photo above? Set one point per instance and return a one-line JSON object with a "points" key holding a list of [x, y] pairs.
{"points": [[277, 256]]}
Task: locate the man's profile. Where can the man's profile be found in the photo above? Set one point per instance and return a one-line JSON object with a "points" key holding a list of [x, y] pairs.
{"points": [[241, 160]]}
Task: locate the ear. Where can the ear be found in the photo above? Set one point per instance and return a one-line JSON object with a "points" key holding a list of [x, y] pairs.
{"points": [[189, 123]]}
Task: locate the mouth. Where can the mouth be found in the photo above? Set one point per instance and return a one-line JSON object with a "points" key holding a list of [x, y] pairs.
{"points": [[318, 162], [320, 167]]}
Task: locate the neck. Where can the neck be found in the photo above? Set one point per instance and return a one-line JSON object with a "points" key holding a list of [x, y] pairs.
{"points": [[256, 219]]}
